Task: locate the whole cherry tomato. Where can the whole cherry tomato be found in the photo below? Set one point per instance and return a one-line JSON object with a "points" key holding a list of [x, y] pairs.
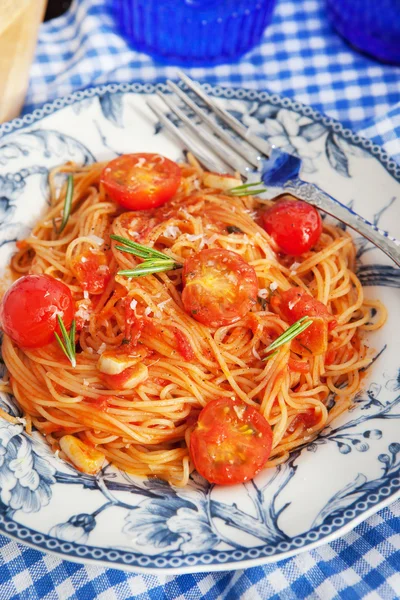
{"points": [[294, 225], [29, 310]]}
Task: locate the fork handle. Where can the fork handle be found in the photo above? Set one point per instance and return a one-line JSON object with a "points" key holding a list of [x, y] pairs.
{"points": [[312, 194]]}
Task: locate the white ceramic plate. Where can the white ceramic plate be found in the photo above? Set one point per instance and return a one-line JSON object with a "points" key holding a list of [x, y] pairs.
{"points": [[351, 471]]}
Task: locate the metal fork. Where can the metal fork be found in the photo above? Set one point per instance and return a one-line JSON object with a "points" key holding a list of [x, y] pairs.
{"points": [[220, 151]]}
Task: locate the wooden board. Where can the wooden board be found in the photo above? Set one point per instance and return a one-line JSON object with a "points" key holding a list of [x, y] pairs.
{"points": [[19, 25]]}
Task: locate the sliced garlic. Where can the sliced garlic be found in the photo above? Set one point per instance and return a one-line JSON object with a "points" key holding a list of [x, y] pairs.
{"points": [[138, 375], [221, 182], [85, 458], [111, 364]]}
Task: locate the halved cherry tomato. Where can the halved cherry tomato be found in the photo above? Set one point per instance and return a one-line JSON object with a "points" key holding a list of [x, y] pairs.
{"points": [[230, 443], [294, 304], [219, 287], [139, 181], [294, 225], [30, 307], [92, 270]]}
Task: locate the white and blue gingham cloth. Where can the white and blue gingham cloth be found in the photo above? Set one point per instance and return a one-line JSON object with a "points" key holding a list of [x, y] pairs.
{"points": [[299, 56]]}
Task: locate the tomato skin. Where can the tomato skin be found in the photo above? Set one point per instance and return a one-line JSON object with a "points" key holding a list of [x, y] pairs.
{"points": [[294, 225], [296, 303], [28, 313], [299, 366], [230, 443], [219, 287], [141, 181], [92, 271], [308, 419], [184, 346]]}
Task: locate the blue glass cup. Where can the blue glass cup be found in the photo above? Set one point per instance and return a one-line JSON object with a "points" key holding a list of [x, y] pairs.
{"points": [[372, 26], [193, 32]]}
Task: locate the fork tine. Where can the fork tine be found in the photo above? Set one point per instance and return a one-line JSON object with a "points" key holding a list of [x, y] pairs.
{"points": [[246, 152], [229, 157], [209, 162], [255, 141]]}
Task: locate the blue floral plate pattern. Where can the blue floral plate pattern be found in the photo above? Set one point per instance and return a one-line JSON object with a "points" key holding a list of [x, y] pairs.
{"points": [[327, 487]]}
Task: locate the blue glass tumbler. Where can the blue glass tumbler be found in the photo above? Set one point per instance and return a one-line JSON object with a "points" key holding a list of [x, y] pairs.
{"points": [[193, 32], [372, 26]]}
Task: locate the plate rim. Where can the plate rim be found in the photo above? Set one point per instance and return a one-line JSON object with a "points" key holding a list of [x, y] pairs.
{"points": [[228, 93], [220, 559], [204, 567]]}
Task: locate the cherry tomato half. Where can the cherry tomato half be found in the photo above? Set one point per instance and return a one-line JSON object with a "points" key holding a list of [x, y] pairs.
{"points": [[294, 225], [294, 304], [230, 443], [220, 287], [30, 307], [92, 271], [139, 181]]}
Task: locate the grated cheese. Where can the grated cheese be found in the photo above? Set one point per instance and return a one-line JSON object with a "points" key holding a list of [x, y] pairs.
{"points": [[102, 348], [162, 304], [263, 293], [273, 286], [95, 239], [239, 410], [294, 267], [83, 259], [172, 232], [86, 294], [293, 303], [141, 161], [147, 311], [83, 311]]}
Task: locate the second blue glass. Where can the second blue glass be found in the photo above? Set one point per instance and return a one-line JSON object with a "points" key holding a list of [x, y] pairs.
{"points": [[372, 26], [193, 32]]}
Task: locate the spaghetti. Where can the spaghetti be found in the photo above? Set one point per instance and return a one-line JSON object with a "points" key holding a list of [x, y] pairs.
{"points": [[145, 429]]}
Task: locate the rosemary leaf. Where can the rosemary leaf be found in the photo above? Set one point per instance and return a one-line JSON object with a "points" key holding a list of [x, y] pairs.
{"points": [[247, 189], [67, 205], [148, 267], [154, 261], [67, 344], [271, 355], [290, 333], [138, 249]]}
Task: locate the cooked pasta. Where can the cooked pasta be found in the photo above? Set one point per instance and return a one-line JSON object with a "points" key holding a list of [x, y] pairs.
{"points": [[145, 427]]}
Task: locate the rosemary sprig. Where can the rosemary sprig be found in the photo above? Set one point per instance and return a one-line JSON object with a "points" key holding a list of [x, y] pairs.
{"points": [[68, 345], [247, 189], [67, 205], [271, 355], [153, 260], [288, 335]]}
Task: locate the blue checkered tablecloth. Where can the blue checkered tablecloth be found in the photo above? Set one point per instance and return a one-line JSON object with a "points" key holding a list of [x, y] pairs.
{"points": [[300, 56]]}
